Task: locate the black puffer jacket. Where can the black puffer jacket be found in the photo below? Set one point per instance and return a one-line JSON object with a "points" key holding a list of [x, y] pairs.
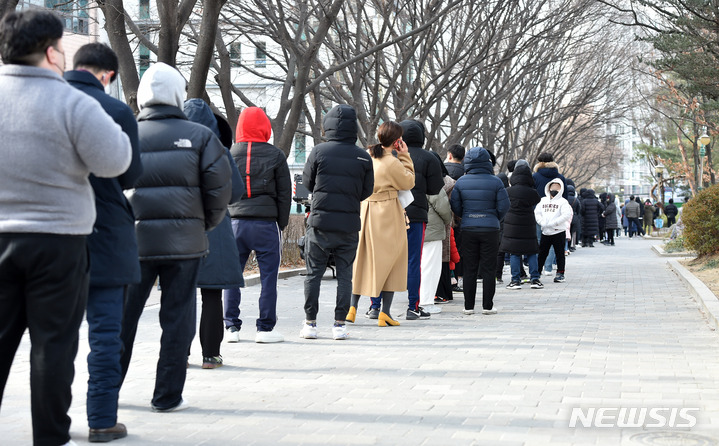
{"points": [[184, 188], [263, 168], [427, 170], [338, 174], [576, 204], [520, 228], [591, 209]]}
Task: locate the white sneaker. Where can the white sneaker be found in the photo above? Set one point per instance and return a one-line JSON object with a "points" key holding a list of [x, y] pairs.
{"points": [[70, 443], [268, 337], [340, 332], [432, 309], [492, 311], [547, 272], [468, 311], [309, 331], [233, 334]]}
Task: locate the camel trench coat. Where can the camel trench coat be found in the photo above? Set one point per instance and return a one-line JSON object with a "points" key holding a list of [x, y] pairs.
{"points": [[381, 262]]}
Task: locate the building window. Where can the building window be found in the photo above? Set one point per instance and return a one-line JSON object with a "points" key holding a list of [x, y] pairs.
{"points": [[73, 14], [300, 148], [144, 9], [235, 54], [260, 55]]}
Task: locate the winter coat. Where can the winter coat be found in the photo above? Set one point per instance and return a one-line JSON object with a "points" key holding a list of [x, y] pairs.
{"points": [[112, 244], [439, 214], [455, 170], [543, 173], [632, 209], [553, 214], [185, 185], [520, 228], [454, 257], [479, 196], [610, 214], [671, 210], [649, 211], [381, 261], [576, 205], [221, 268], [264, 170], [338, 174], [590, 213], [427, 171]]}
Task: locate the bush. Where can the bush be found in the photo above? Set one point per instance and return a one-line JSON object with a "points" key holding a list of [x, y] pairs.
{"points": [[701, 222], [675, 245]]}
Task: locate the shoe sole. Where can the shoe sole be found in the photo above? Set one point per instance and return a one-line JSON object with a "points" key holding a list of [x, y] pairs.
{"points": [[211, 366], [514, 288], [105, 437], [534, 287], [308, 337]]}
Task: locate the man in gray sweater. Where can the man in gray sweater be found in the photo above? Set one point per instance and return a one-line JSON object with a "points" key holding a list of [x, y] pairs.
{"points": [[54, 136]]}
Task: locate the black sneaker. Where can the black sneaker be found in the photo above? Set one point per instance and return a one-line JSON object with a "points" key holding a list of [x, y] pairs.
{"points": [[440, 300], [499, 280], [457, 289], [559, 278], [514, 286], [413, 315], [372, 313], [537, 285], [211, 362]]}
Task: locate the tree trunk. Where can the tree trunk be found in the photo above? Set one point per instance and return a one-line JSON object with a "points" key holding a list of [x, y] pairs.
{"points": [[205, 46]]}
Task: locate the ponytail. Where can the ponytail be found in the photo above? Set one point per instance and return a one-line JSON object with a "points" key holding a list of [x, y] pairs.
{"points": [[377, 151]]}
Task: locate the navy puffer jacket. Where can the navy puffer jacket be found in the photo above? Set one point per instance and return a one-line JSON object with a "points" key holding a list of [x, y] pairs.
{"points": [[479, 196], [338, 174]]}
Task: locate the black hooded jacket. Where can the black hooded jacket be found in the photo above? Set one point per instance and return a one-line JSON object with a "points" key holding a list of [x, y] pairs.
{"points": [[427, 170], [520, 228], [338, 174], [591, 210]]}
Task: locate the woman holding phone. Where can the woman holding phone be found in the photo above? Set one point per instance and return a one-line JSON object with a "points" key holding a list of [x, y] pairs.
{"points": [[380, 267]]}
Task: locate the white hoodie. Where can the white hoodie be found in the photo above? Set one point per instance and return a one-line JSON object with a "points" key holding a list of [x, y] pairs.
{"points": [[553, 214]]}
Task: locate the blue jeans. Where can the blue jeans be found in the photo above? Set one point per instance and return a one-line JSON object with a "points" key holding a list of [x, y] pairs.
{"points": [[515, 262], [265, 238], [104, 320], [178, 318]]}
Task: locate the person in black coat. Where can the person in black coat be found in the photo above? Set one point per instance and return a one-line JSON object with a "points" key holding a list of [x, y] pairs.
{"points": [[339, 175], [602, 220], [671, 210], [519, 237], [575, 228], [113, 248], [183, 192], [427, 181], [221, 268], [501, 254], [591, 209]]}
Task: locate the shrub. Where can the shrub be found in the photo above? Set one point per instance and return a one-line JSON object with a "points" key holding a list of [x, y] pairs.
{"points": [[676, 245], [701, 221]]}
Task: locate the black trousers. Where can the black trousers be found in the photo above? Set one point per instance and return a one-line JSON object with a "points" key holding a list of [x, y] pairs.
{"points": [[557, 241], [43, 287], [212, 327], [479, 254], [444, 287], [318, 246]]}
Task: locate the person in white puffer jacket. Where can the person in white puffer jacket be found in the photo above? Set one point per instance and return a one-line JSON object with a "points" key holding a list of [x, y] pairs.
{"points": [[553, 215]]}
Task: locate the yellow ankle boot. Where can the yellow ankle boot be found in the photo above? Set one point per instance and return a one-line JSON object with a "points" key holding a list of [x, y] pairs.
{"points": [[351, 315], [385, 320]]}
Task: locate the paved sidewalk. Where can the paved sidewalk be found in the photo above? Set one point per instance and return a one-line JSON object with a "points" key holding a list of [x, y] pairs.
{"points": [[621, 332]]}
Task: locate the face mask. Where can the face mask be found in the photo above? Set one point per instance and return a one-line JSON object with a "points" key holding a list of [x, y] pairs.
{"points": [[553, 193]]}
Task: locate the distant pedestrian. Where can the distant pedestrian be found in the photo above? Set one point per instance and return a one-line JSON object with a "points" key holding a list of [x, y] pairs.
{"points": [[591, 209], [258, 219], [649, 210], [381, 264], [544, 171], [339, 175], [183, 191], [113, 249], [554, 215], [632, 210], [671, 211], [519, 237], [611, 220], [53, 137], [481, 199], [220, 269]]}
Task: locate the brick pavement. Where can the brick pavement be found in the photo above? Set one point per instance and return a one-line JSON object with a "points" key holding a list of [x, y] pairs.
{"points": [[621, 332]]}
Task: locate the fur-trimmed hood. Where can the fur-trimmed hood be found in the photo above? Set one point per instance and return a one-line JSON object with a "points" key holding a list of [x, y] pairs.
{"points": [[551, 165]]}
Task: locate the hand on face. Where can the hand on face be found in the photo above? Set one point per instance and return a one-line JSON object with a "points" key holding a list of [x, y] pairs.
{"points": [[400, 146]]}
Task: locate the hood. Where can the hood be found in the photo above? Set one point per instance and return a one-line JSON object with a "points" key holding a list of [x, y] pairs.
{"points": [[571, 192], [340, 124], [161, 85], [413, 133], [610, 197], [505, 180], [554, 181], [522, 175], [253, 125], [590, 192], [549, 170], [200, 112], [477, 160]]}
